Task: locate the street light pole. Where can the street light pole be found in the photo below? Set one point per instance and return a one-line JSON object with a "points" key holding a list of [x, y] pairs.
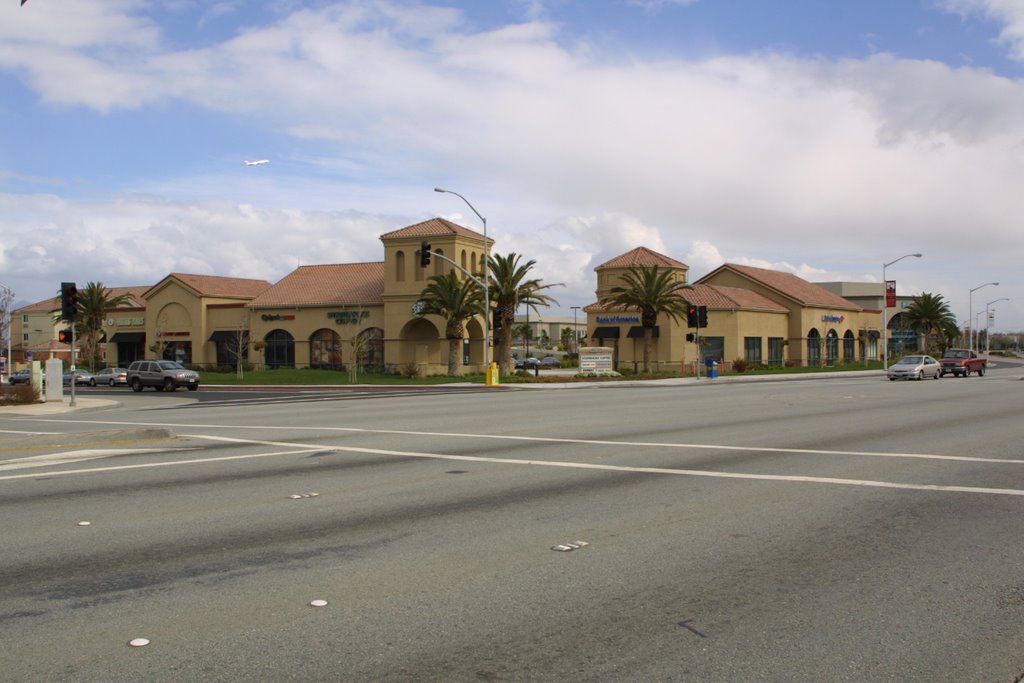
{"points": [[486, 285], [970, 313], [885, 309], [988, 346], [575, 331], [8, 301]]}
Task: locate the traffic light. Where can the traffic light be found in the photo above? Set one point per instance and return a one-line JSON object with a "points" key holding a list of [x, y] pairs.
{"points": [[424, 254], [691, 316], [64, 336], [68, 301], [702, 316]]}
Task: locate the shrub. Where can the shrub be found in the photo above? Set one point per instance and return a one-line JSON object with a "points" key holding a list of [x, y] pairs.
{"points": [[410, 370], [741, 365], [19, 394]]}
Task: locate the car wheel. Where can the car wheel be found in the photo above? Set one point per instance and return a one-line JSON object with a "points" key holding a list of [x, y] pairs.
{"points": [[112, 382], [981, 371], [892, 379], [136, 384], [193, 387], [169, 384], [92, 382], [920, 375], [967, 372]]}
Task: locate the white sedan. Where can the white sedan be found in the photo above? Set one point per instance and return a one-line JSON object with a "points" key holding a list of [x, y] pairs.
{"points": [[914, 367]]}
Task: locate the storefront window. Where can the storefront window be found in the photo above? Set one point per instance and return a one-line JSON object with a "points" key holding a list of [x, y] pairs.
{"points": [[371, 346], [280, 349], [775, 354], [814, 347], [752, 349], [325, 350], [831, 347], [849, 346]]}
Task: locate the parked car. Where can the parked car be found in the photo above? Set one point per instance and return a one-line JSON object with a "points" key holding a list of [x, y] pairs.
{"points": [[550, 362], [81, 377], [162, 375], [527, 363], [914, 367], [112, 377], [21, 377]]}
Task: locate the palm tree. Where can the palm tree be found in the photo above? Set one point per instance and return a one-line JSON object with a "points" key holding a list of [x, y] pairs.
{"points": [[929, 315], [652, 291], [94, 300], [457, 301], [510, 287]]}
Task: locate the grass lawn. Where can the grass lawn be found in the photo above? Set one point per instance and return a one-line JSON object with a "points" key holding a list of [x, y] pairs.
{"points": [[309, 377]]}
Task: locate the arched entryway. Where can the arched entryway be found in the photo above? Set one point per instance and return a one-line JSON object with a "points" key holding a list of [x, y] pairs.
{"points": [[370, 347], [849, 347], [420, 343]]}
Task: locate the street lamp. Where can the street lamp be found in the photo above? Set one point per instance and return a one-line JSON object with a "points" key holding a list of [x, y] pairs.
{"points": [[987, 345], [486, 286], [8, 301], [970, 312], [575, 331], [885, 309]]}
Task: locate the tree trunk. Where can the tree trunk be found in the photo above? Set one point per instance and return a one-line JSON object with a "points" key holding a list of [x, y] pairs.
{"points": [[648, 338]]}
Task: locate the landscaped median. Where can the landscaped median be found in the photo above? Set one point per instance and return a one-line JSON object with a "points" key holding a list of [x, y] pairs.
{"points": [[288, 376]]}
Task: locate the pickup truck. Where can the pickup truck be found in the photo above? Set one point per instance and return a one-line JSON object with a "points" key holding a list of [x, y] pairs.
{"points": [[962, 362]]}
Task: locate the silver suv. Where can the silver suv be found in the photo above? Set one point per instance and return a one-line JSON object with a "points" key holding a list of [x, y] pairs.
{"points": [[161, 375]]}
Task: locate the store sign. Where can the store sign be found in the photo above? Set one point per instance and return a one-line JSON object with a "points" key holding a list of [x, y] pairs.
{"points": [[830, 318], [617, 319], [125, 322], [596, 359], [268, 317], [348, 317]]}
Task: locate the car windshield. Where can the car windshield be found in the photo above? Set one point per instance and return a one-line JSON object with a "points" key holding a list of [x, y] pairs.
{"points": [[955, 354], [911, 360], [170, 365]]}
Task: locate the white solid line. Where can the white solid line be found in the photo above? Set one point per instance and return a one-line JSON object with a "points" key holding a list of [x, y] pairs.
{"points": [[304, 448], [585, 442]]}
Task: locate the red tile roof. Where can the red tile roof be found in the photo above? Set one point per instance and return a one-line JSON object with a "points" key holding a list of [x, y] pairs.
{"points": [[325, 285], [715, 297], [642, 256], [435, 227], [215, 285], [44, 306], [789, 285]]}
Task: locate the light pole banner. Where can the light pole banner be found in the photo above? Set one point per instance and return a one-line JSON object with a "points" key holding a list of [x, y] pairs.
{"points": [[890, 294]]}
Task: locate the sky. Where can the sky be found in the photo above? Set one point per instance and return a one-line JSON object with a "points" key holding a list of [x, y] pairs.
{"points": [[825, 138]]}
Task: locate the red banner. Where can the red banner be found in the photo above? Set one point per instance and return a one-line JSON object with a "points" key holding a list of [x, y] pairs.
{"points": [[890, 293]]}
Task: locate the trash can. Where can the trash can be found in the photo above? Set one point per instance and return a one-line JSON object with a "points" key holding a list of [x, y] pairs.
{"points": [[712, 368]]}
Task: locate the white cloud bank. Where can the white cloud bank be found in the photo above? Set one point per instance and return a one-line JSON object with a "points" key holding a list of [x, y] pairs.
{"points": [[767, 159]]}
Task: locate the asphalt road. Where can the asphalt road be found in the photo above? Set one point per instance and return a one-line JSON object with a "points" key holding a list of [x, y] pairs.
{"points": [[839, 529]]}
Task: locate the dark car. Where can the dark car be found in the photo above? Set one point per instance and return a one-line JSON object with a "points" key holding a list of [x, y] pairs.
{"points": [[527, 363], [21, 377], [162, 375], [550, 362]]}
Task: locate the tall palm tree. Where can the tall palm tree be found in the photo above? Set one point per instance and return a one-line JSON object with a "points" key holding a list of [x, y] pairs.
{"points": [[652, 291], [929, 315], [509, 287], [457, 301], [94, 300]]}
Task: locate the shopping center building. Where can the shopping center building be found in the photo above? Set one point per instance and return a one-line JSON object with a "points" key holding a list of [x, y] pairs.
{"points": [[758, 315], [327, 316]]}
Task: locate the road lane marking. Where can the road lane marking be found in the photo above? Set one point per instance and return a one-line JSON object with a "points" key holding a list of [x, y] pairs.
{"points": [[299, 448], [68, 457], [585, 442]]}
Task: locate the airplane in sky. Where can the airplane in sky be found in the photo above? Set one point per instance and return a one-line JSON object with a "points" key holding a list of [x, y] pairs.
{"points": [[257, 163]]}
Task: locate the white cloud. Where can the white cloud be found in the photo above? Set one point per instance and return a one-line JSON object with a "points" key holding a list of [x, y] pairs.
{"points": [[695, 159]]}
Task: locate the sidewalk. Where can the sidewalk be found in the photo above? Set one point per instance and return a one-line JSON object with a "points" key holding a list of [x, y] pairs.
{"points": [[55, 408]]}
